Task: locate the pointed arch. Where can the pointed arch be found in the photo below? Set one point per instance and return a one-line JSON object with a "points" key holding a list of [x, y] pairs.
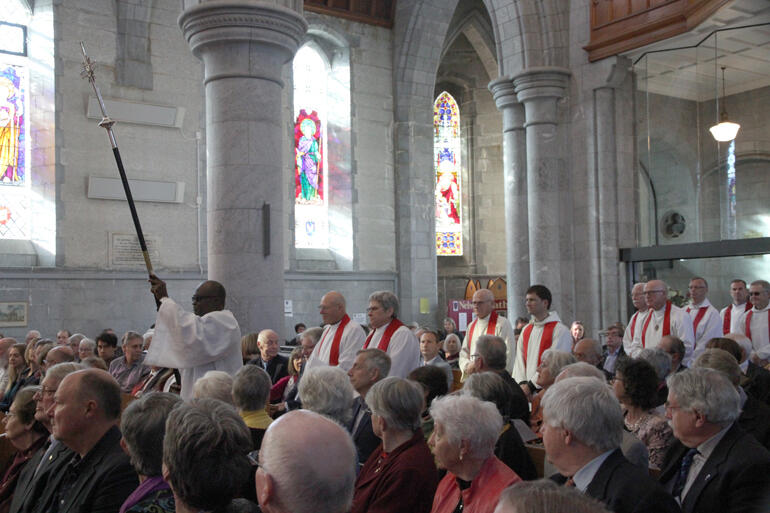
{"points": [[447, 165]]}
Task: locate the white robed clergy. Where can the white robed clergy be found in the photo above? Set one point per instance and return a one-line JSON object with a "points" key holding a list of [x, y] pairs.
{"points": [[208, 338]]}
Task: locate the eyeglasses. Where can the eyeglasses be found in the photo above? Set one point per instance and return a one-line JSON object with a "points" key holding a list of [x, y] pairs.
{"points": [[372, 309], [755, 293], [670, 407], [475, 356], [477, 303], [651, 292], [197, 298]]}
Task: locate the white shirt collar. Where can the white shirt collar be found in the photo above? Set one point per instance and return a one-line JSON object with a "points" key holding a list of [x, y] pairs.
{"points": [[586, 474]]}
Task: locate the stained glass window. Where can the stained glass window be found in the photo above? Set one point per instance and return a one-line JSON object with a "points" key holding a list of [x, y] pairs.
{"points": [[446, 160], [14, 183], [311, 213]]}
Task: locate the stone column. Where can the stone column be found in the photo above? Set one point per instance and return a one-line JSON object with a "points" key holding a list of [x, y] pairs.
{"points": [[244, 46], [539, 89], [515, 184]]}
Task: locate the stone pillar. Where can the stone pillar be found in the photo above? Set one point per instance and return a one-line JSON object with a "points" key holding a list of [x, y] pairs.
{"points": [[244, 46], [515, 183], [539, 89]]}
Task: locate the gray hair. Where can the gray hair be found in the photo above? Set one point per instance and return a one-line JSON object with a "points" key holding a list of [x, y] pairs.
{"points": [[215, 385], [60, 370], [376, 359], [588, 409], [386, 299], [556, 360], [721, 360], [398, 401], [488, 386], [581, 369], [467, 418], [708, 392], [329, 480], [762, 283], [201, 436], [493, 350], [89, 343], [251, 388], [77, 337], [659, 359], [143, 425], [454, 336], [313, 334], [327, 390], [545, 496]]}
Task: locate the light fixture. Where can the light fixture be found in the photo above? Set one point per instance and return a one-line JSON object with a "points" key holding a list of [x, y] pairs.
{"points": [[725, 130]]}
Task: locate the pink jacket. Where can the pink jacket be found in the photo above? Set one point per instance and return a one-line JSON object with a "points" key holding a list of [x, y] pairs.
{"points": [[482, 496]]}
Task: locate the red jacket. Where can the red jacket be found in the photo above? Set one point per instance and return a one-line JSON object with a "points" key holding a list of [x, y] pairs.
{"points": [[404, 481], [482, 496]]}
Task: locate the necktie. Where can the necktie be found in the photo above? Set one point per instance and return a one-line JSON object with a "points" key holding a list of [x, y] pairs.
{"points": [[681, 477]]}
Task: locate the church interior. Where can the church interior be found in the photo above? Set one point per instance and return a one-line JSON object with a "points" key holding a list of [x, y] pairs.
{"points": [[289, 148]]}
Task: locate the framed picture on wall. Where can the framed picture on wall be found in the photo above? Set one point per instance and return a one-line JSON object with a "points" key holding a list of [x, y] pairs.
{"points": [[13, 314]]}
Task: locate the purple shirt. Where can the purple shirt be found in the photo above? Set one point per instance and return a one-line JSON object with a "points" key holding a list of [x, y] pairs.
{"points": [[126, 375]]}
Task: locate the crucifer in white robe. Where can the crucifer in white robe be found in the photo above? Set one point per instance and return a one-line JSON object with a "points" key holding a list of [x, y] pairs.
{"points": [[193, 344], [759, 331]]}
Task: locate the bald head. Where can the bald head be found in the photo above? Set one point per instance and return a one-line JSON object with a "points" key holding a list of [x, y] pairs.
{"points": [[268, 344], [59, 354], [209, 297], [325, 458], [588, 350], [655, 294], [332, 307]]}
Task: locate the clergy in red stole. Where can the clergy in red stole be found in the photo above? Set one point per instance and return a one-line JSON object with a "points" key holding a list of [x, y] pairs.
{"points": [[487, 322], [342, 337], [731, 314], [391, 335], [662, 318]]}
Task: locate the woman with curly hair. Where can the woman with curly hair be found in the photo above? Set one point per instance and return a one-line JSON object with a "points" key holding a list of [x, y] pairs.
{"points": [[635, 385]]}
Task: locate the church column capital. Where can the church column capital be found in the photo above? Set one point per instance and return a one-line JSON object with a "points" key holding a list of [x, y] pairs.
{"points": [[539, 89], [504, 94], [240, 39]]}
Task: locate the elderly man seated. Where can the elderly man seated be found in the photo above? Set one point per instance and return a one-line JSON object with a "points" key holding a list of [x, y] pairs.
{"points": [[99, 477], [326, 459], [205, 455], [251, 389], [144, 426], [717, 467], [214, 385], [582, 431], [130, 369]]}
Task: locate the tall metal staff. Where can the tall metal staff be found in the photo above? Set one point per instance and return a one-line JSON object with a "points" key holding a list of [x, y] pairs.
{"points": [[106, 123]]}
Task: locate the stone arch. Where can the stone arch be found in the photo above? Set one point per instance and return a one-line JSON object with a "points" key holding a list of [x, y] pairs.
{"points": [[480, 33]]}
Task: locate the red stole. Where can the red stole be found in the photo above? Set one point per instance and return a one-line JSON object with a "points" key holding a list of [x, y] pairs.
{"points": [[545, 341], [334, 353], [698, 317], [385, 340], [728, 315], [633, 324], [666, 323], [491, 325], [748, 323]]}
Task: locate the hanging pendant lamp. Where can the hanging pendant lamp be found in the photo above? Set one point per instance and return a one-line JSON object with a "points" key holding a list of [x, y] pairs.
{"points": [[725, 130]]}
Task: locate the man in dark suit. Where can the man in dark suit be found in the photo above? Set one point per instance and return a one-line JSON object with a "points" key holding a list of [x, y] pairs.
{"points": [[582, 430], [275, 365], [674, 347], [99, 477], [613, 351], [370, 366], [49, 462], [717, 467], [589, 350], [755, 415]]}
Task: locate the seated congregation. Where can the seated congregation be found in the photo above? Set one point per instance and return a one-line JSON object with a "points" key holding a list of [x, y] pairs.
{"points": [[388, 418]]}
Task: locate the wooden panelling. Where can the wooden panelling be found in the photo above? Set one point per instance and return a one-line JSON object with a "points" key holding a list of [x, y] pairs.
{"points": [[373, 12], [621, 25]]}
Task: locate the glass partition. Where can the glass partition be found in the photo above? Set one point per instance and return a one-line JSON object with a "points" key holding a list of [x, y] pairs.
{"points": [[691, 187]]}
